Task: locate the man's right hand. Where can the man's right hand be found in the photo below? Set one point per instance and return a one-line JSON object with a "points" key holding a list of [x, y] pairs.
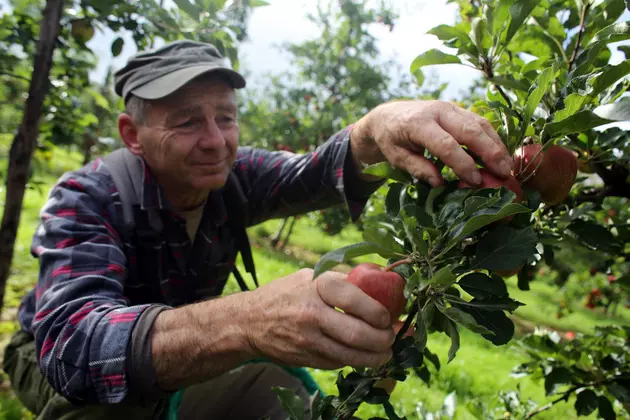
{"points": [[293, 321]]}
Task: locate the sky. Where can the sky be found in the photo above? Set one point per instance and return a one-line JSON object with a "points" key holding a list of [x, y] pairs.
{"points": [[284, 21]]}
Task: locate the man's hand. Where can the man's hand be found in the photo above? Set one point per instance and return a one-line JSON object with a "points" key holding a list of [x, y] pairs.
{"points": [[400, 131], [293, 322]]}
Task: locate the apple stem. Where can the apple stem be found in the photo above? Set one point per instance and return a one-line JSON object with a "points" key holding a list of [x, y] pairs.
{"points": [[397, 263], [521, 170]]}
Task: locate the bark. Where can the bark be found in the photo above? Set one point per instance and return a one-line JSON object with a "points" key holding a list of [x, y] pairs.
{"points": [[25, 140], [88, 142], [278, 235], [286, 238]]}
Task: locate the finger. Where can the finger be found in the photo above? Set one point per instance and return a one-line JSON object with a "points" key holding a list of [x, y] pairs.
{"points": [[485, 124], [470, 132], [444, 146], [327, 348], [416, 165], [335, 291], [355, 333]]}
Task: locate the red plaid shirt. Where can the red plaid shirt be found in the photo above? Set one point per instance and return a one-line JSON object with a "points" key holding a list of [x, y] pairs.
{"points": [[89, 294]]}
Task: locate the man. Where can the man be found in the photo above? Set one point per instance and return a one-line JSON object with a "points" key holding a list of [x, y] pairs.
{"points": [[116, 327]]}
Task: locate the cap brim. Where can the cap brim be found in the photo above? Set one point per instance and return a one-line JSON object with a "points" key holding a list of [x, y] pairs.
{"points": [[169, 83]]}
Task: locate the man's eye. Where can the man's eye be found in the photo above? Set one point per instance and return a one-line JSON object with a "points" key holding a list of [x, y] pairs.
{"points": [[188, 123]]}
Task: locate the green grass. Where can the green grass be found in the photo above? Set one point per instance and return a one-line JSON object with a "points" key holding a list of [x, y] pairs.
{"points": [[479, 372]]}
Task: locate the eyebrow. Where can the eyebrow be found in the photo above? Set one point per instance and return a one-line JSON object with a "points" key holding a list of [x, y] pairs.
{"points": [[195, 110]]}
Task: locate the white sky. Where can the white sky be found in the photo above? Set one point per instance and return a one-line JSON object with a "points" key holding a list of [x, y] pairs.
{"points": [[284, 21]]}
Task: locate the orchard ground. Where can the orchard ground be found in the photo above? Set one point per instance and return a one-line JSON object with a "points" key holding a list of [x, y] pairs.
{"points": [[479, 372]]}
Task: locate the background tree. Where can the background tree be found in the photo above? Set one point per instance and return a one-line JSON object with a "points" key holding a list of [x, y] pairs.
{"points": [[52, 35], [335, 78]]}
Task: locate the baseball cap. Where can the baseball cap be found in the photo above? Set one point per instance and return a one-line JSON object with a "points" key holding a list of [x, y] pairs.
{"points": [[159, 72]]}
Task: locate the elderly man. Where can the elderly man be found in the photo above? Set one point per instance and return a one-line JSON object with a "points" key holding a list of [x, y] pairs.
{"points": [[117, 324]]}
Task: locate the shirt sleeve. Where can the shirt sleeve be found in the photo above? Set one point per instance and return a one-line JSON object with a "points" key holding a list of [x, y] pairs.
{"points": [[282, 184], [83, 323]]}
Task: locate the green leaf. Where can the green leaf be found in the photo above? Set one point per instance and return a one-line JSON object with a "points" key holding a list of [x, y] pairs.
{"points": [[618, 111], [189, 8], [480, 35], [290, 402], [489, 304], [581, 121], [605, 410], [519, 11], [461, 317], [447, 33], [481, 286], [392, 201], [620, 390], [541, 86], [497, 322], [379, 235], [386, 170], [451, 330], [443, 277], [117, 46], [414, 236], [624, 282], [594, 235], [477, 222], [505, 248], [432, 357], [616, 32], [100, 100], [347, 253], [557, 377], [572, 104], [390, 411], [420, 333], [508, 81], [433, 57], [586, 402]]}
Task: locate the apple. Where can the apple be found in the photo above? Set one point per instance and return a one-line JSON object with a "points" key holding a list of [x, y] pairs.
{"points": [[553, 176], [509, 273], [388, 384], [526, 160], [386, 287], [488, 180]]}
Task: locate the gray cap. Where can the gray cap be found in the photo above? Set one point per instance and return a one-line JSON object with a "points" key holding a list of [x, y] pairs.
{"points": [[157, 73]]}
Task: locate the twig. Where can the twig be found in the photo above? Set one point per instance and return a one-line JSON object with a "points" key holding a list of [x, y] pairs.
{"points": [[580, 33], [16, 76], [565, 396], [398, 263]]}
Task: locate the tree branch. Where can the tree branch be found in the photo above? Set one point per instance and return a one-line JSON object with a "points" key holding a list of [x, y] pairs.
{"points": [[565, 396], [15, 76], [580, 33]]}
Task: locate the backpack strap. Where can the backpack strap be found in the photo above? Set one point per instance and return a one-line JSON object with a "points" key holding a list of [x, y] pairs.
{"points": [[126, 171], [238, 205]]}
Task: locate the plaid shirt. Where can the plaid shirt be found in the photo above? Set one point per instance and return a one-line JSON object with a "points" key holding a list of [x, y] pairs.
{"points": [[83, 310]]}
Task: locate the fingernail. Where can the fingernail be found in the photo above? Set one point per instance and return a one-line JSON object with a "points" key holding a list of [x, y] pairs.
{"points": [[476, 177], [505, 167]]}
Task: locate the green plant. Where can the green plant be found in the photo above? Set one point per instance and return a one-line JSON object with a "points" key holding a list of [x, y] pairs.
{"points": [[549, 85]]}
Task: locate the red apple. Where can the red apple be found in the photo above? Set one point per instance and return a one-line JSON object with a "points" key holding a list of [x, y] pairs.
{"points": [[387, 287], [488, 180], [509, 273], [570, 335], [526, 160], [553, 177]]}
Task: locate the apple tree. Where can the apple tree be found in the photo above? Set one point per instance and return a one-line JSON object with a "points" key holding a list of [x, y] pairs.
{"points": [[333, 79], [552, 93]]}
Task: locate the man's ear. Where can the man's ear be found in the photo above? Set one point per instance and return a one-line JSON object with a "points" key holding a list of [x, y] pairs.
{"points": [[129, 133]]}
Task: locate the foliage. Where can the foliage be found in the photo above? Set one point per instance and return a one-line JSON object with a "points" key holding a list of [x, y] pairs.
{"points": [[549, 82]]}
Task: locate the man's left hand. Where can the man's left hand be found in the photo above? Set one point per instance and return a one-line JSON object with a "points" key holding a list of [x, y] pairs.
{"points": [[400, 131]]}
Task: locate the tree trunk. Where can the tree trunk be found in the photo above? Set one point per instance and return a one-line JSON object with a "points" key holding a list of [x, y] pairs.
{"points": [[88, 142], [26, 138], [276, 238], [286, 238]]}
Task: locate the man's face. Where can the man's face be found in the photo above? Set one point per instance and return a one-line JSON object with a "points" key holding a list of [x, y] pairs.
{"points": [[190, 138]]}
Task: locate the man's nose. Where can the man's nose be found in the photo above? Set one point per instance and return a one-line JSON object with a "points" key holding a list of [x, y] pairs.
{"points": [[211, 136]]}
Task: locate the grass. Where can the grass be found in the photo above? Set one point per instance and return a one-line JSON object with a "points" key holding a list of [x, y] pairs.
{"points": [[478, 373]]}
